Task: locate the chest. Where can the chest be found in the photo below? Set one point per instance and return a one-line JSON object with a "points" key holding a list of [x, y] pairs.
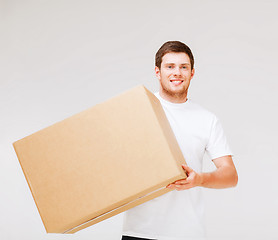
{"points": [[192, 130]]}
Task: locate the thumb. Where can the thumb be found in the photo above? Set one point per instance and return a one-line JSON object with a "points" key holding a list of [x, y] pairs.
{"points": [[187, 169]]}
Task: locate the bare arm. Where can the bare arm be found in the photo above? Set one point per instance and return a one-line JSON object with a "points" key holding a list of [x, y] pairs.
{"points": [[224, 176]]}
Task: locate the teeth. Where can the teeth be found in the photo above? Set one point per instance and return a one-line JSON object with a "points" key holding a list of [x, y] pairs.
{"points": [[177, 81]]}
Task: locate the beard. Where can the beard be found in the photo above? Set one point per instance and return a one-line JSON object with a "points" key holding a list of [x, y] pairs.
{"points": [[179, 93]]}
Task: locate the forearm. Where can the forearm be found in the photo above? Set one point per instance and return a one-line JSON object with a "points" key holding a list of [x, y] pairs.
{"points": [[222, 177]]}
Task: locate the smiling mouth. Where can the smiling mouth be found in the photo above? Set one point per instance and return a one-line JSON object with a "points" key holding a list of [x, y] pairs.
{"points": [[176, 82]]}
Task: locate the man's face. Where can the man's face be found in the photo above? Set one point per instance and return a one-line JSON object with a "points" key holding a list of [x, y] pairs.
{"points": [[174, 76]]}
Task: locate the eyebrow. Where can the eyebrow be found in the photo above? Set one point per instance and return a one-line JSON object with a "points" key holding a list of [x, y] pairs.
{"points": [[174, 64]]}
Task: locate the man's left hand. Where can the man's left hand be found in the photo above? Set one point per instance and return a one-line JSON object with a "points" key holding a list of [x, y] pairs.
{"points": [[193, 180]]}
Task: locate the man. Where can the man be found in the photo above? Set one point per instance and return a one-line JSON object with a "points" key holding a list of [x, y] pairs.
{"points": [[178, 215]]}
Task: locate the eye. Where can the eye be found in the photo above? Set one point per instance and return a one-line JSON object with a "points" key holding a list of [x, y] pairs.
{"points": [[184, 67], [170, 67]]}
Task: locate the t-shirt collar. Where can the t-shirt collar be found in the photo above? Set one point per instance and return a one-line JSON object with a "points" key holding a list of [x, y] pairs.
{"points": [[165, 102]]}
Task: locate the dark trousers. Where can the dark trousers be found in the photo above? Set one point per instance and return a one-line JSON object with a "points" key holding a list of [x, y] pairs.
{"points": [[134, 238]]}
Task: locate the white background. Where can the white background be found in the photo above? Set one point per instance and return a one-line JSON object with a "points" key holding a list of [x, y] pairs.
{"points": [[58, 58]]}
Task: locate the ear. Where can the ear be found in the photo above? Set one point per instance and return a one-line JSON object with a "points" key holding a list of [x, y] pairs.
{"points": [[192, 73], [157, 72]]}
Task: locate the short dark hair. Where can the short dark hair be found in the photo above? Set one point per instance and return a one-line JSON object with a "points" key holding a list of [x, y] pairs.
{"points": [[173, 46]]}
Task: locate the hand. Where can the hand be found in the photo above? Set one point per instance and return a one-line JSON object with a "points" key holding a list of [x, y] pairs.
{"points": [[193, 180]]}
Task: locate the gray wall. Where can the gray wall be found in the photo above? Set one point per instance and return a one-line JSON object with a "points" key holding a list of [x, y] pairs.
{"points": [[58, 58]]}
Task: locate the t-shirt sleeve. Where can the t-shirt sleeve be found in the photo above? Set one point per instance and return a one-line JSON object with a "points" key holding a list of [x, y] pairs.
{"points": [[217, 145]]}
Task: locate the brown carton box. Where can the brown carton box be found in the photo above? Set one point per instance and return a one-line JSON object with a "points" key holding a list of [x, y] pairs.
{"points": [[100, 162]]}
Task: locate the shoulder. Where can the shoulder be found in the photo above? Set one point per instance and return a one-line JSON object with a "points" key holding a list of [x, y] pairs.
{"points": [[190, 109], [201, 111]]}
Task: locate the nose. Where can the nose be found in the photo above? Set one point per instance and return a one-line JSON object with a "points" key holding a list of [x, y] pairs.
{"points": [[177, 71]]}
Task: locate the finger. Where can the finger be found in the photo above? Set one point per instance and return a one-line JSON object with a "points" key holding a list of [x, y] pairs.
{"points": [[178, 187], [181, 181], [182, 187], [170, 186], [187, 169]]}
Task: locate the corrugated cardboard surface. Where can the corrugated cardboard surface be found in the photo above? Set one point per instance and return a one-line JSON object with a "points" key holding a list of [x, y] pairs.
{"points": [[100, 162]]}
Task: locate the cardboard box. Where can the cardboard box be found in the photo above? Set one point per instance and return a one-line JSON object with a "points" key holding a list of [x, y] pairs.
{"points": [[100, 162]]}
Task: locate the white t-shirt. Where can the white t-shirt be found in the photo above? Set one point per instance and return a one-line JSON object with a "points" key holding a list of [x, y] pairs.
{"points": [[178, 215]]}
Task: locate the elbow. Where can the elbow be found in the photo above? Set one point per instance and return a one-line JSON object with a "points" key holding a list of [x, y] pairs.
{"points": [[234, 179]]}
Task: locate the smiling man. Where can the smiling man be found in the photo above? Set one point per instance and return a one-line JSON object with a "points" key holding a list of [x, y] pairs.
{"points": [[174, 74], [178, 215]]}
